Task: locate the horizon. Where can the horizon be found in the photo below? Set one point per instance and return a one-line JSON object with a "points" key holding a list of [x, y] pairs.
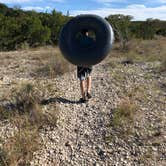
{"points": [[140, 11]]}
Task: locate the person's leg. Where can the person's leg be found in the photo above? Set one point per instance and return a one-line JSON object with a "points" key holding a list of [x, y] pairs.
{"points": [[89, 81], [83, 89]]}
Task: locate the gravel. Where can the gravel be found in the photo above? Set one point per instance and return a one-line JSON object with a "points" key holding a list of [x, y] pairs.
{"points": [[82, 129]]}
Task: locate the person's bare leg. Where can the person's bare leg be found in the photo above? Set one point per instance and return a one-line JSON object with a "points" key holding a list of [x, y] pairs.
{"points": [[89, 81], [83, 90]]}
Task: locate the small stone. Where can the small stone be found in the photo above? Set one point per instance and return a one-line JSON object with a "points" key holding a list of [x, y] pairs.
{"points": [[154, 148], [67, 143]]}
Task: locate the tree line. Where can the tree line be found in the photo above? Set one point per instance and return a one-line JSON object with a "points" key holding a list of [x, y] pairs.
{"points": [[19, 29], [125, 28]]}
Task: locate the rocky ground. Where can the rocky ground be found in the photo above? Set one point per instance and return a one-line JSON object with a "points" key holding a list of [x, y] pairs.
{"points": [[84, 135]]}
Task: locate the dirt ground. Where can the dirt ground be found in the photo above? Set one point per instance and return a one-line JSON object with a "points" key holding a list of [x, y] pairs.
{"points": [[91, 133]]}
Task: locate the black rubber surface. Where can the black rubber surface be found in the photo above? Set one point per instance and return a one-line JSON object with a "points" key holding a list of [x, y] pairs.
{"points": [[92, 54]]}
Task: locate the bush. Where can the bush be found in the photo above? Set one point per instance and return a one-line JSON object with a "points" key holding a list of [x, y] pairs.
{"points": [[121, 24]]}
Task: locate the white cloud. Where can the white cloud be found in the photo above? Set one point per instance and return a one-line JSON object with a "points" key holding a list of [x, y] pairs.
{"points": [[139, 12], [14, 1], [22, 1], [37, 8], [58, 0], [162, 1], [134, 6], [108, 1]]}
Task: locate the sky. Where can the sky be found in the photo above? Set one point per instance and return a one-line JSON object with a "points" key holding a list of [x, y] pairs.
{"points": [[140, 10]]}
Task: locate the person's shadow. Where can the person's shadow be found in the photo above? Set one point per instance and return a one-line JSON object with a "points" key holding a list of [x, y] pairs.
{"points": [[58, 100]]}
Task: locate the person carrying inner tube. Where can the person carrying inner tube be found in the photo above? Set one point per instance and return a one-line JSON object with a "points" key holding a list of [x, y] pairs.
{"points": [[84, 73]]}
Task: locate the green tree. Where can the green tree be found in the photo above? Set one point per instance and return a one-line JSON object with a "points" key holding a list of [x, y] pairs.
{"points": [[18, 27], [56, 23], [37, 34], [148, 29], [160, 27], [121, 27], [9, 30], [3, 9]]}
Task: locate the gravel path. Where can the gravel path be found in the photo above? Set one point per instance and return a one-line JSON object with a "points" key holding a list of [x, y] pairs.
{"points": [[80, 137]]}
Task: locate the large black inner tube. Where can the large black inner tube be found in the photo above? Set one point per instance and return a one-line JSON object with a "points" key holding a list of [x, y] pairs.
{"points": [[82, 54]]}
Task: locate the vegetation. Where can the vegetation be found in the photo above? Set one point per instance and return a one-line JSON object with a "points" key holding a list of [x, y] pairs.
{"points": [[121, 24], [51, 63], [27, 117], [125, 29], [162, 67], [18, 27], [3, 158], [138, 41], [19, 149], [122, 120], [124, 113], [22, 29], [140, 50]]}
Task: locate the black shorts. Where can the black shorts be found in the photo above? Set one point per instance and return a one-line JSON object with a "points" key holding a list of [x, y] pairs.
{"points": [[83, 72]]}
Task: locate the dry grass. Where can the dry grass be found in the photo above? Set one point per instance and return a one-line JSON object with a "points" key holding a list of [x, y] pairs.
{"points": [[143, 50], [25, 100], [124, 113], [122, 119], [40, 62], [51, 63], [24, 109], [28, 117], [19, 148], [162, 67], [4, 161], [137, 93]]}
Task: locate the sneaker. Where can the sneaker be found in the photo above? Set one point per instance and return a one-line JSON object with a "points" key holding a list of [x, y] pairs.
{"points": [[89, 95], [82, 100]]}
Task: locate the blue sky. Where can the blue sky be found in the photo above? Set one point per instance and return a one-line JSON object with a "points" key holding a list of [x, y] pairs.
{"points": [[141, 10]]}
